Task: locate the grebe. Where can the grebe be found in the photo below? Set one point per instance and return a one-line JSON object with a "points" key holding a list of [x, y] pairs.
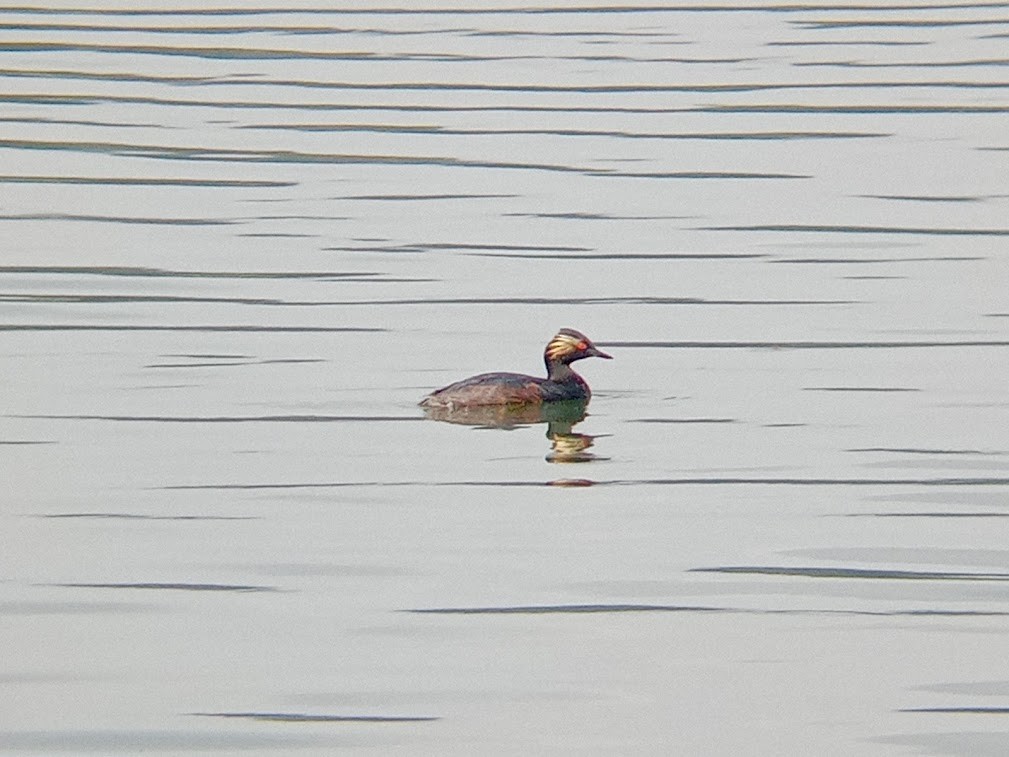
{"points": [[561, 382]]}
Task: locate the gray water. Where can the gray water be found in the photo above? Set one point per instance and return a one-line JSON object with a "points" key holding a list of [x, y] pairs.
{"points": [[239, 245]]}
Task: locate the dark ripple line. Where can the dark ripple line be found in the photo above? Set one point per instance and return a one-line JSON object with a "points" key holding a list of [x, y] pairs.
{"points": [[959, 710], [909, 64], [36, 120], [588, 301], [117, 76], [682, 420], [579, 33], [876, 261], [94, 99], [240, 53], [248, 29], [230, 363], [228, 418], [735, 88], [806, 345], [419, 197], [859, 389], [562, 609], [443, 131], [300, 717], [453, 246], [137, 271], [853, 109], [928, 515], [962, 481], [827, 228], [928, 198], [205, 329], [277, 235], [906, 23], [921, 451], [169, 586], [138, 516], [636, 608], [351, 56], [813, 572], [589, 89], [161, 152], [267, 487], [578, 216], [879, 482], [845, 43], [698, 175], [120, 219], [520, 10], [131, 182], [626, 255], [292, 30], [99, 299]]}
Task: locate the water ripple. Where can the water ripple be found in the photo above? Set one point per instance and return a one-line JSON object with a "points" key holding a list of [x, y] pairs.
{"points": [[150, 221], [844, 229], [301, 717], [237, 329], [593, 609], [170, 586], [144, 272], [875, 573], [811, 345], [954, 482], [126, 181]]}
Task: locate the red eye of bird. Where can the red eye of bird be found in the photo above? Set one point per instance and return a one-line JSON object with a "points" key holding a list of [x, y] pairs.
{"points": [[582, 345]]}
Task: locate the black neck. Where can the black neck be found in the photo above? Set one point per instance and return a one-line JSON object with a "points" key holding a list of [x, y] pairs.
{"points": [[560, 372]]}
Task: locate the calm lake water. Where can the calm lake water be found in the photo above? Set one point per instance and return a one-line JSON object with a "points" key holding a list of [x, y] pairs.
{"points": [[240, 244]]}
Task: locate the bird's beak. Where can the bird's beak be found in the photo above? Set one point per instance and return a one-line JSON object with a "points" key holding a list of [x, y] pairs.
{"points": [[596, 352]]}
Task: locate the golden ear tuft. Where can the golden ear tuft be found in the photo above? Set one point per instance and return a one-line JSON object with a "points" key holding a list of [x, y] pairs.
{"points": [[564, 344]]}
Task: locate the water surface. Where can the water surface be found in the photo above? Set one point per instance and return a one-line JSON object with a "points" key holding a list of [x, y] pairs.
{"points": [[242, 242]]}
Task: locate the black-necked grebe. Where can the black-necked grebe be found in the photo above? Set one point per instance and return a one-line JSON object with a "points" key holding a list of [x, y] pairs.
{"points": [[561, 382]]}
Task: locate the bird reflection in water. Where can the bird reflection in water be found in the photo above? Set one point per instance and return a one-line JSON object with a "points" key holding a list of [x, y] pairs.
{"points": [[566, 446]]}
